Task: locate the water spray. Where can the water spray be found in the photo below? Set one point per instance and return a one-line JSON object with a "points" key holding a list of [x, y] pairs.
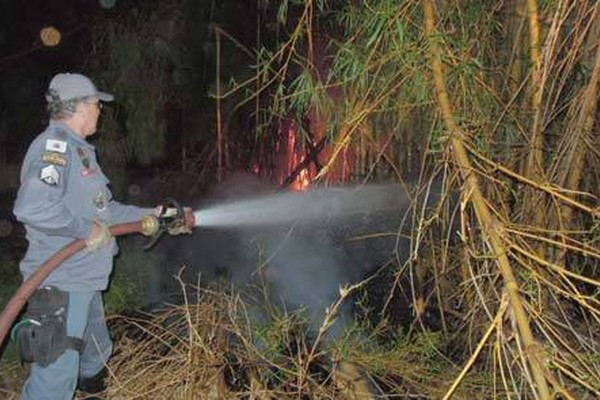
{"points": [[332, 203]]}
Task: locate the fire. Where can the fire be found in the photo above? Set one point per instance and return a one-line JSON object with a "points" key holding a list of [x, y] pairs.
{"points": [[292, 153], [295, 152], [302, 182], [296, 161]]}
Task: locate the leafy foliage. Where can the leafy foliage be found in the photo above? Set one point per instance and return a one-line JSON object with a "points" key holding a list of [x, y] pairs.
{"points": [[135, 275], [366, 74], [138, 59]]}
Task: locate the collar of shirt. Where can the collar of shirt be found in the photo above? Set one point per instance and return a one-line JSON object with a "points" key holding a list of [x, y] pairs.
{"points": [[72, 135]]}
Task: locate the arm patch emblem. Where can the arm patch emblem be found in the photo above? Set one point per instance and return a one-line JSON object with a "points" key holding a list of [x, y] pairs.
{"points": [[54, 158], [50, 175], [59, 146]]}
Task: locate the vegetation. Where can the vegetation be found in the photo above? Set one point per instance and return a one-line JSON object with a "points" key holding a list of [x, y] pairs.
{"points": [[498, 100], [136, 272], [501, 100], [215, 349]]}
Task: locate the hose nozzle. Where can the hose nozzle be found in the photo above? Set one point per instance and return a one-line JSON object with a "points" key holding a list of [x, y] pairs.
{"points": [[171, 218]]}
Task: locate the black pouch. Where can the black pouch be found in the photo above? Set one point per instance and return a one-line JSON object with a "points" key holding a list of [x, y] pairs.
{"points": [[41, 335]]}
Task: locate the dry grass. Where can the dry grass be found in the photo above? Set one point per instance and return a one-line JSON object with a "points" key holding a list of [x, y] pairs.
{"points": [[222, 347], [12, 376]]}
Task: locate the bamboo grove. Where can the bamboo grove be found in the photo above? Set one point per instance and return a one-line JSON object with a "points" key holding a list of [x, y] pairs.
{"points": [[500, 99]]}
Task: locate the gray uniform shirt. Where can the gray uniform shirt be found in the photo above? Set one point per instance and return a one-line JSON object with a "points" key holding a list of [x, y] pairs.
{"points": [[62, 191]]}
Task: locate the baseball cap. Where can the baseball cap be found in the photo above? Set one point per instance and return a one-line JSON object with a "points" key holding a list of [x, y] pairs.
{"points": [[69, 86]]}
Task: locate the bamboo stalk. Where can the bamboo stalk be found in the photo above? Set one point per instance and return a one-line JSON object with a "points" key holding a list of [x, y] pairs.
{"points": [[516, 24], [576, 160], [257, 122], [532, 210], [219, 121], [534, 165], [490, 226]]}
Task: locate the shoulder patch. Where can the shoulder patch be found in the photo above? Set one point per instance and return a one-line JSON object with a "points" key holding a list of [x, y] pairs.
{"points": [[59, 146], [50, 175], [54, 158]]}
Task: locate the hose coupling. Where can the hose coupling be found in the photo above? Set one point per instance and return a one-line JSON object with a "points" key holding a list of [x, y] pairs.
{"points": [[149, 225]]}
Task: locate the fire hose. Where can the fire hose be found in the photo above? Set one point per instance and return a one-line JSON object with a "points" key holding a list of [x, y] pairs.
{"points": [[171, 218]]}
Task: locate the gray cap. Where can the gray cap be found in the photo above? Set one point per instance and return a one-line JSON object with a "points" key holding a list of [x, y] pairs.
{"points": [[69, 86]]}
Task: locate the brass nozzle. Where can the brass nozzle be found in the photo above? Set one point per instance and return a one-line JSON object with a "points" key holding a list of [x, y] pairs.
{"points": [[189, 219], [149, 225]]}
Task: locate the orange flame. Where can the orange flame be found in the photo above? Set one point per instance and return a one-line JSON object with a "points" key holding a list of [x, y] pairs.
{"points": [[290, 153], [302, 182]]}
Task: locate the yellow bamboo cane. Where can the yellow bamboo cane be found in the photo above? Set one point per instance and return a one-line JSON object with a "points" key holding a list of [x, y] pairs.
{"points": [[490, 226], [586, 121], [534, 168]]}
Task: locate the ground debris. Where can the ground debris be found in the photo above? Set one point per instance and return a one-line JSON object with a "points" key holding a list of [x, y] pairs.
{"points": [[213, 350]]}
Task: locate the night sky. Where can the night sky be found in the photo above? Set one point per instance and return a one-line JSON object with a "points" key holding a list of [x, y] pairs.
{"points": [[26, 65]]}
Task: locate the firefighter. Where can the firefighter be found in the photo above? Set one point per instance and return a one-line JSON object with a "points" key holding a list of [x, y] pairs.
{"points": [[63, 196]]}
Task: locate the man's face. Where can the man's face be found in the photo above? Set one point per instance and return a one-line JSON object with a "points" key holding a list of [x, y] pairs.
{"points": [[90, 111]]}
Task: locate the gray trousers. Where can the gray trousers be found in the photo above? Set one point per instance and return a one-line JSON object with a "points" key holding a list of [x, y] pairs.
{"points": [[58, 380]]}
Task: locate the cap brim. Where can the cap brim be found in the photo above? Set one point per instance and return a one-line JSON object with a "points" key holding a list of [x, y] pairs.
{"points": [[105, 96]]}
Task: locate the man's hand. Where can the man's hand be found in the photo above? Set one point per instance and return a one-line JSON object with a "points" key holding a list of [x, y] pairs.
{"points": [[99, 237], [175, 224], [161, 211], [181, 227]]}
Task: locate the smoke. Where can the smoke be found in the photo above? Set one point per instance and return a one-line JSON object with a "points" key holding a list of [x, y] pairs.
{"points": [[306, 269], [301, 247]]}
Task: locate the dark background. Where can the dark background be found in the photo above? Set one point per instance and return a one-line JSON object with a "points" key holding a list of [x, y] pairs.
{"points": [[26, 65], [158, 58]]}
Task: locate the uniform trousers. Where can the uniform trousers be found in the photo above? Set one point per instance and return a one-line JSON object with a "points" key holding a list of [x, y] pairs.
{"points": [[58, 380]]}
